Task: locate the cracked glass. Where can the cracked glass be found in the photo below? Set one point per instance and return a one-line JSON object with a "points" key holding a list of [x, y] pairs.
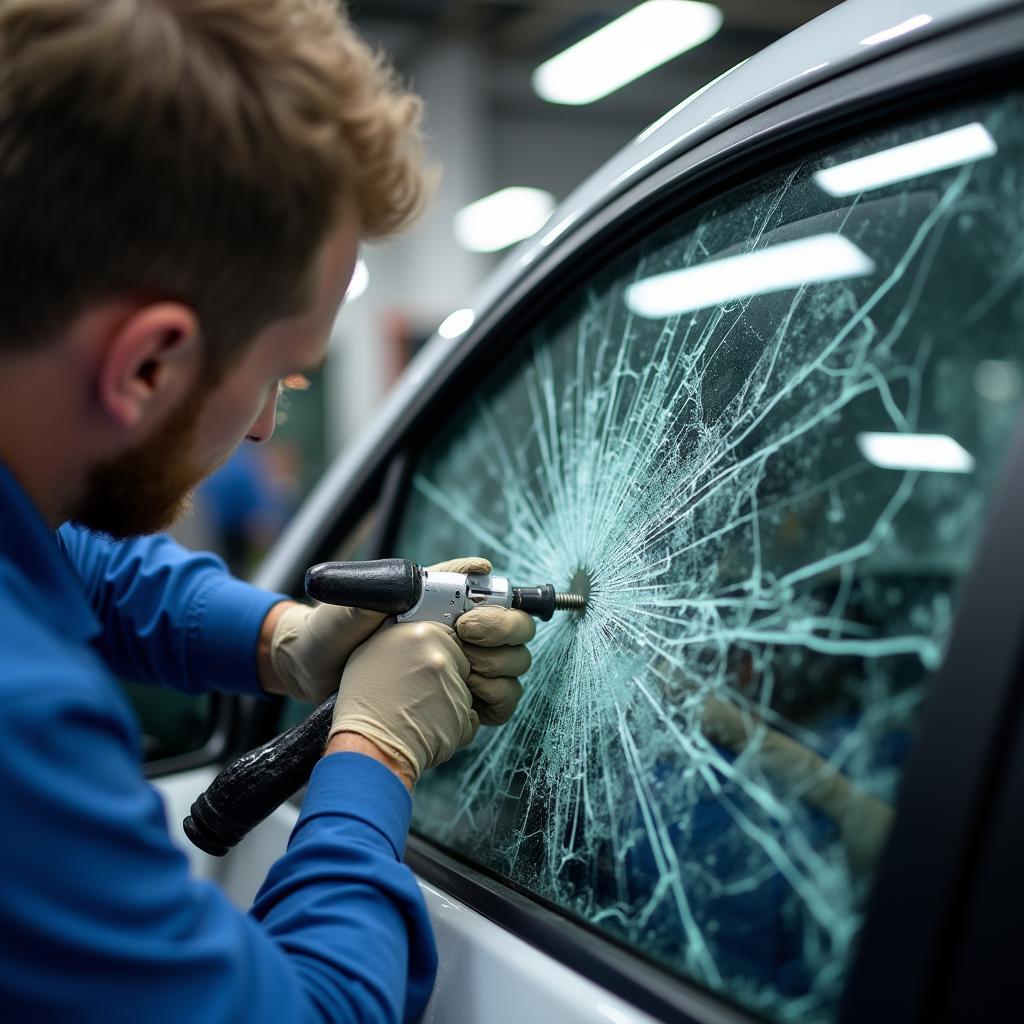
{"points": [[763, 442]]}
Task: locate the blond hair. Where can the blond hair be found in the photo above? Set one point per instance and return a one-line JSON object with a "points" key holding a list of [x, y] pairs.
{"points": [[192, 149]]}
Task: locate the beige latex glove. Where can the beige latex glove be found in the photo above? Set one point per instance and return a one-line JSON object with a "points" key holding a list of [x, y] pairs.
{"points": [[405, 690], [419, 694], [494, 640], [310, 646]]}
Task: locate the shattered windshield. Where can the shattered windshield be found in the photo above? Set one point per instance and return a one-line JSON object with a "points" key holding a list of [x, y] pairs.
{"points": [[763, 443]]}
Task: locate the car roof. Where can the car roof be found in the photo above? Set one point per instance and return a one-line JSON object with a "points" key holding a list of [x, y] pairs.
{"points": [[851, 34], [842, 38]]}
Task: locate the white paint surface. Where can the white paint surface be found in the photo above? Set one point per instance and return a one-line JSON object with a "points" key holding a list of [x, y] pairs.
{"points": [[485, 973]]}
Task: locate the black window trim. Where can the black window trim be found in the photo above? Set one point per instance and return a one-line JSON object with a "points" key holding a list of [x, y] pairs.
{"points": [[609, 963], [223, 715]]}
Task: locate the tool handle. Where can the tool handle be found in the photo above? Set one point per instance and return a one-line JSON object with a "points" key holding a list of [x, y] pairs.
{"points": [[246, 792], [389, 585], [250, 788]]}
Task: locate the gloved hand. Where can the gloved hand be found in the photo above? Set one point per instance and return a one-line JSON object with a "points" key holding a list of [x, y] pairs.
{"points": [[494, 640], [310, 646], [419, 695], [405, 689]]}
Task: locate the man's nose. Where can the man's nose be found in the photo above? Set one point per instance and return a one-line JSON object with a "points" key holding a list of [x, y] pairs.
{"points": [[263, 426]]}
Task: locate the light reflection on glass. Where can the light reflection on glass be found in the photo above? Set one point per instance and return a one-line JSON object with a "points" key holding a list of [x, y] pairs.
{"points": [[776, 268], [935, 453], [939, 152], [998, 380]]}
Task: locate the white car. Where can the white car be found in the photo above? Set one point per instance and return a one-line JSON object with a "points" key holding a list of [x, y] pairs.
{"points": [[756, 388]]}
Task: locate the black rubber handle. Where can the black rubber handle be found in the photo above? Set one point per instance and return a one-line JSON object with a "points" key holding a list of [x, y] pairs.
{"points": [[245, 792], [389, 585], [249, 789]]}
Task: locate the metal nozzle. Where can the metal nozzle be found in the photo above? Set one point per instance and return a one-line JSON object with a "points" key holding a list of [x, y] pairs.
{"points": [[543, 602]]}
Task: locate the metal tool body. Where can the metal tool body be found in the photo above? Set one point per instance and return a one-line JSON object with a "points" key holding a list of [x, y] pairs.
{"points": [[447, 595], [251, 787], [401, 588]]}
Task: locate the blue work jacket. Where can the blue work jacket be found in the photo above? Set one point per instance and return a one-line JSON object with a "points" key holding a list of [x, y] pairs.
{"points": [[99, 920]]}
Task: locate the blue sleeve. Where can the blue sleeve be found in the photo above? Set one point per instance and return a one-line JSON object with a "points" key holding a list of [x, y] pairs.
{"points": [[101, 922], [169, 615], [371, 831]]}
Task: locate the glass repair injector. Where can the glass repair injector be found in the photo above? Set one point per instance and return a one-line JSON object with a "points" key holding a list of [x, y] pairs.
{"points": [[248, 789], [398, 587]]}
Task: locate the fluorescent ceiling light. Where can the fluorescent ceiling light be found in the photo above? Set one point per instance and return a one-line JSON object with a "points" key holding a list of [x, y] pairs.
{"points": [[910, 25], [359, 283], [624, 49], [456, 323], [787, 265], [958, 146], [504, 217], [936, 453]]}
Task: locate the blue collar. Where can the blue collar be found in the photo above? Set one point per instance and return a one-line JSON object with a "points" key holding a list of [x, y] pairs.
{"points": [[34, 555]]}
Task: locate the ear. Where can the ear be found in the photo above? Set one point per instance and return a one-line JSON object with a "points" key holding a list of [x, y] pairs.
{"points": [[149, 363]]}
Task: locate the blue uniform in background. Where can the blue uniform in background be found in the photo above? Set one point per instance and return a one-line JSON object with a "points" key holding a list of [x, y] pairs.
{"points": [[99, 920]]}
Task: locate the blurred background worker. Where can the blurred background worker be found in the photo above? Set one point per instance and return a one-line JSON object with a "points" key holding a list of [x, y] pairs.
{"points": [[183, 186]]}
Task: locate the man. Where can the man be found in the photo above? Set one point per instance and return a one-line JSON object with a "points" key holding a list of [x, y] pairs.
{"points": [[183, 186]]}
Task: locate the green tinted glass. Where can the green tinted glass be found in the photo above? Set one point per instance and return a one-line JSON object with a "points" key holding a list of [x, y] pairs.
{"points": [[765, 441], [172, 723]]}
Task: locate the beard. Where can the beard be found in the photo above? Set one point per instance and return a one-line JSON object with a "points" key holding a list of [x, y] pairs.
{"points": [[148, 487]]}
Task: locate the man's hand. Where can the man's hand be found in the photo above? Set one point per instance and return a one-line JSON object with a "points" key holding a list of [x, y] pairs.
{"points": [[304, 650], [416, 694], [494, 640], [405, 691], [310, 646]]}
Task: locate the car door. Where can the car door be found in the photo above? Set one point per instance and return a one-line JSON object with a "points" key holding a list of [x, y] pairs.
{"points": [[762, 407]]}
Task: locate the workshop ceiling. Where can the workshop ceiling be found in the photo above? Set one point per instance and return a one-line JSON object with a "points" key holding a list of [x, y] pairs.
{"points": [[539, 28], [526, 136]]}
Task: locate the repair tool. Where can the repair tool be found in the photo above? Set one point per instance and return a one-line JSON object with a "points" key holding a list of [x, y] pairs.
{"points": [[398, 587], [248, 789]]}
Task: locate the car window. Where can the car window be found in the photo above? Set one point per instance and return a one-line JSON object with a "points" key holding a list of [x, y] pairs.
{"points": [[172, 724], [763, 441]]}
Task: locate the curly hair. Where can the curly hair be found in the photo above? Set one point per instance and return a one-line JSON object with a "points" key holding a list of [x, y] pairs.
{"points": [[197, 150]]}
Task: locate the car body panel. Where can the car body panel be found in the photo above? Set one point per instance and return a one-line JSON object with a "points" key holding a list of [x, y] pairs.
{"points": [[485, 972]]}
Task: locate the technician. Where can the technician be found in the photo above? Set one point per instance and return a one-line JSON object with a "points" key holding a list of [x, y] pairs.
{"points": [[183, 187]]}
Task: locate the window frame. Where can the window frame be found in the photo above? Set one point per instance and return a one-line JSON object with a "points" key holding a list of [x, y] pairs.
{"points": [[945, 810], [223, 713]]}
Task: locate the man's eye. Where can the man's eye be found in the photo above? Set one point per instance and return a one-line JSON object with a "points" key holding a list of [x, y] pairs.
{"points": [[285, 386]]}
